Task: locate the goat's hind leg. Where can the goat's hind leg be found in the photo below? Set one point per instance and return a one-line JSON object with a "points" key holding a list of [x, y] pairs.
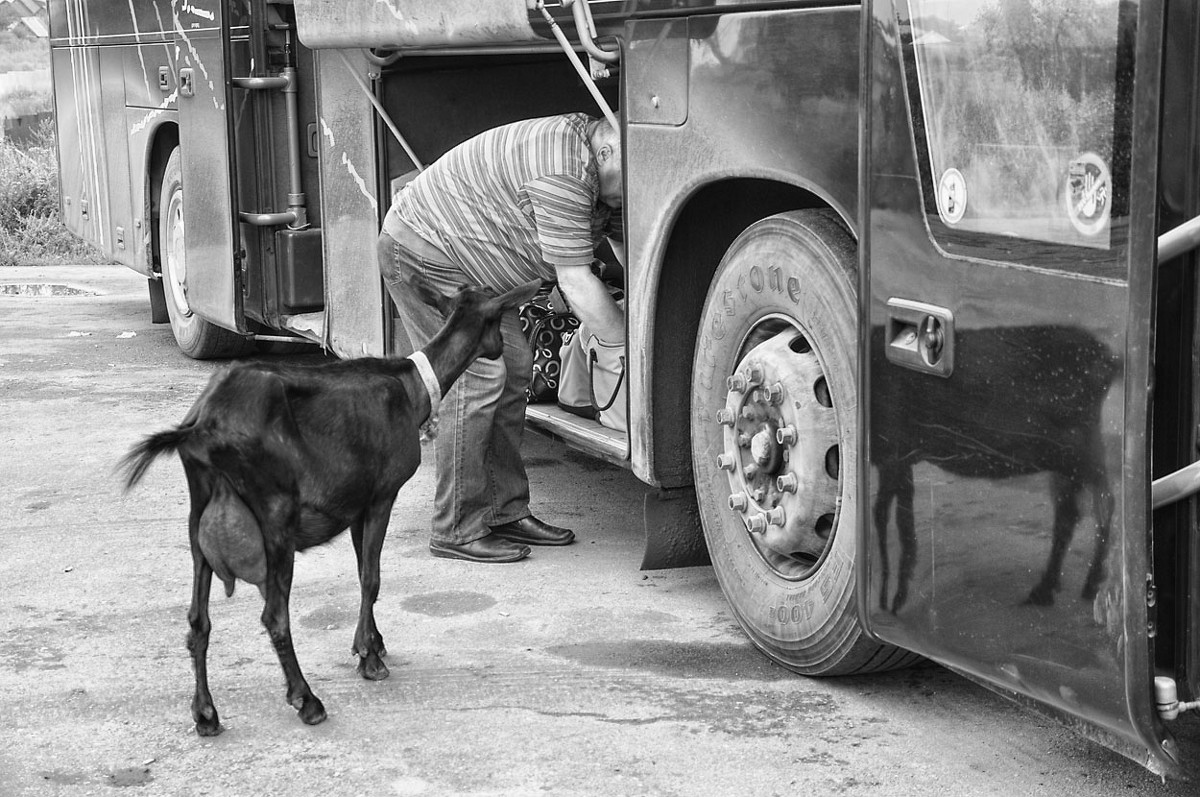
{"points": [[204, 713], [1102, 505], [368, 533]]}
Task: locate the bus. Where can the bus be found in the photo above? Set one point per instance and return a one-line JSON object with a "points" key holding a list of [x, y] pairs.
{"points": [[910, 286]]}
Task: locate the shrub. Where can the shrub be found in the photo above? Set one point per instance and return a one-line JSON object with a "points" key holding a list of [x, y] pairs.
{"points": [[28, 184], [31, 232]]}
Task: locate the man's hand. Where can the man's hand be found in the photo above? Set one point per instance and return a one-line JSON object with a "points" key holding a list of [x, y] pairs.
{"points": [[591, 301]]}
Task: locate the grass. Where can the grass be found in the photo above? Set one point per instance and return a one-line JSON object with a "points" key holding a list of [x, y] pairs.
{"points": [[31, 232]]}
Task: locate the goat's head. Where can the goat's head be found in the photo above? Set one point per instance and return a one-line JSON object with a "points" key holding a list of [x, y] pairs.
{"points": [[475, 313]]}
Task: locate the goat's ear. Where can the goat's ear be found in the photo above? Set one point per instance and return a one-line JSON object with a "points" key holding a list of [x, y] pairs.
{"points": [[519, 295], [429, 294]]}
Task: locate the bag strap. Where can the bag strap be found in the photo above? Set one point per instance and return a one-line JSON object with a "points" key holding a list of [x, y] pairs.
{"points": [[592, 358]]}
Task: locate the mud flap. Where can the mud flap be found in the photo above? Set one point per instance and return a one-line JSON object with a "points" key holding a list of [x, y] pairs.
{"points": [[674, 537]]}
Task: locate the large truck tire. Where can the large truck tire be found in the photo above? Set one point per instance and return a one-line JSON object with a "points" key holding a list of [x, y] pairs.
{"points": [[197, 338], [774, 442]]}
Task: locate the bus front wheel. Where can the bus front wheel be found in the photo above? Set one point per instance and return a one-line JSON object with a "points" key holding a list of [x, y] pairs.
{"points": [[774, 442], [196, 337]]}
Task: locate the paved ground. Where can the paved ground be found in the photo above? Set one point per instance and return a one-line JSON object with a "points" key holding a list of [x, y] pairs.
{"points": [[571, 673]]}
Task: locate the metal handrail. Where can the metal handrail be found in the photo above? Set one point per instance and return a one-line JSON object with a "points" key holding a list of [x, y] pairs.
{"points": [[379, 109], [1183, 238], [259, 83], [1184, 482], [296, 216], [1181, 484], [268, 219]]}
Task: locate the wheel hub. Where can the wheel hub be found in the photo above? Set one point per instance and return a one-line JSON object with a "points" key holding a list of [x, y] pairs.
{"points": [[781, 452]]}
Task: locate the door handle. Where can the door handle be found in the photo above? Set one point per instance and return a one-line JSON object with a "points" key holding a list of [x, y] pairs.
{"points": [[920, 336], [187, 83]]}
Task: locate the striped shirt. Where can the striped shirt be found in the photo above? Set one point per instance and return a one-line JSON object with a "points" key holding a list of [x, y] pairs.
{"points": [[513, 203]]}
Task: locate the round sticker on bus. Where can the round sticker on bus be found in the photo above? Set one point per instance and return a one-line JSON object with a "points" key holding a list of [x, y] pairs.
{"points": [[1088, 193], [952, 196]]}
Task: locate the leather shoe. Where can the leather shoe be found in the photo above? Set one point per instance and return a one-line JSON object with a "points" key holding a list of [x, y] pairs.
{"points": [[531, 531], [485, 549]]}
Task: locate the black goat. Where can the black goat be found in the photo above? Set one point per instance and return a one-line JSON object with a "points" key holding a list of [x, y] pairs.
{"points": [[1021, 400], [280, 457]]}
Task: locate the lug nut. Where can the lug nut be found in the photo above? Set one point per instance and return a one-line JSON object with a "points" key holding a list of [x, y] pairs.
{"points": [[775, 516], [739, 502], [725, 417], [725, 462], [750, 471], [757, 523], [743, 440], [775, 393], [749, 413], [754, 375], [787, 483], [737, 382], [759, 495], [786, 436]]}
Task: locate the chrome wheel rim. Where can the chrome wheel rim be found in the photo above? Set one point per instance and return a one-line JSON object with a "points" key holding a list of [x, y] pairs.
{"points": [[781, 450], [174, 251]]}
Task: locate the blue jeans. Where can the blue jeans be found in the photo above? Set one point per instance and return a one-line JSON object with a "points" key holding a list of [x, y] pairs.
{"points": [[481, 478]]}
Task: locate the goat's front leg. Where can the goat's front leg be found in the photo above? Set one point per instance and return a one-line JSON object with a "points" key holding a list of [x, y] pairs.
{"points": [[278, 587], [368, 533], [1065, 492], [204, 713]]}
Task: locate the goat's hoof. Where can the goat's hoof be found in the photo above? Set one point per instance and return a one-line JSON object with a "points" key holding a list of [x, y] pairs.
{"points": [[1040, 596], [371, 668], [312, 712], [207, 722]]}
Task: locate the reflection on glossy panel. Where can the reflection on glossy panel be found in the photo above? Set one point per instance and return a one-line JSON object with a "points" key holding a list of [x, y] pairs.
{"points": [[1022, 400], [993, 511]]}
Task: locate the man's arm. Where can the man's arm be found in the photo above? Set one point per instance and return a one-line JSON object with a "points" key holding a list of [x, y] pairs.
{"points": [[592, 303]]}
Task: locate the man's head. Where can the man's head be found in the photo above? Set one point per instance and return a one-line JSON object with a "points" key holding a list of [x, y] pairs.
{"points": [[606, 144]]}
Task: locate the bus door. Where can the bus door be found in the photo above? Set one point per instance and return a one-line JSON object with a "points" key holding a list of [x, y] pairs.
{"points": [[1009, 149], [212, 240]]}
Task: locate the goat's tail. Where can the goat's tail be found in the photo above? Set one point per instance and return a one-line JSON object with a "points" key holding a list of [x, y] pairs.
{"points": [[141, 456]]}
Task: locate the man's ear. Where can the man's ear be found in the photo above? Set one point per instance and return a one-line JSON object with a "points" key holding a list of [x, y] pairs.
{"points": [[604, 153]]}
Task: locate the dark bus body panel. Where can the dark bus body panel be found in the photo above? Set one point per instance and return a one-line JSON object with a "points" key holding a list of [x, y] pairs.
{"points": [[1009, 528]]}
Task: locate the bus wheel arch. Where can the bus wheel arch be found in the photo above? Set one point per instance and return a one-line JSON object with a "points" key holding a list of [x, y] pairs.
{"points": [[166, 139], [774, 442], [700, 234]]}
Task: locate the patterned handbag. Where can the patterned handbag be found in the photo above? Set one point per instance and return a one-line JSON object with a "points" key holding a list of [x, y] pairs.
{"points": [[545, 321]]}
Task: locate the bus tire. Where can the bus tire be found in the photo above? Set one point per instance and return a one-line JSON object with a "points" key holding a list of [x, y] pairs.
{"points": [[196, 337], [775, 457]]}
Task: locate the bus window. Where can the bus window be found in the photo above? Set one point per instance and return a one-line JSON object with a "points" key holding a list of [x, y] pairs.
{"points": [[1018, 102]]}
